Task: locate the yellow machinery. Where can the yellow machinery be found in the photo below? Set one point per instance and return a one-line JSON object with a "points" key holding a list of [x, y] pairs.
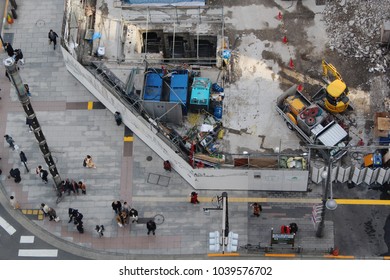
{"points": [[336, 99]]}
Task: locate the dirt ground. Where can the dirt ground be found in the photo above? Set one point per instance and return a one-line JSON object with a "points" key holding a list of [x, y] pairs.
{"points": [[314, 33]]}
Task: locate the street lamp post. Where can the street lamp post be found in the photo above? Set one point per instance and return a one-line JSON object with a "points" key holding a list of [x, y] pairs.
{"points": [[12, 70], [326, 204], [247, 158]]}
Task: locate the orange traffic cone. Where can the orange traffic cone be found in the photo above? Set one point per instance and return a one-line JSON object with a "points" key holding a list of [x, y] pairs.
{"points": [[300, 87], [280, 16], [285, 39], [291, 64], [335, 251]]}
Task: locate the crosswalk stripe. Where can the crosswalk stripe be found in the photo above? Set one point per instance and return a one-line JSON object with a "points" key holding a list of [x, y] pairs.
{"points": [[27, 239], [38, 253], [5, 225]]}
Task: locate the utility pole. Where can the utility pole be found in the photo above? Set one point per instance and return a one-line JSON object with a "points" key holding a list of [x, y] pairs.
{"points": [[321, 225], [13, 73], [225, 220]]}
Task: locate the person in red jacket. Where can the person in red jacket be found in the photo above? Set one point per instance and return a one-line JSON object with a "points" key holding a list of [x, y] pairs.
{"points": [[194, 198]]}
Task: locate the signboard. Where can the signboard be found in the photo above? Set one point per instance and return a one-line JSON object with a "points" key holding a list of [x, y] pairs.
{"points": [[282, 238]]}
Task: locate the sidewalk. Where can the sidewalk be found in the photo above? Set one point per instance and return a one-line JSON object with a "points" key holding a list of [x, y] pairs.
{"points": [[126, 169]]}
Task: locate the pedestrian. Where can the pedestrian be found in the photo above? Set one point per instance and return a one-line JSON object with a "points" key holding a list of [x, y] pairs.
{"points": [[52, 38], [88, 162], [100, 230], [116, 206], [167, 166], [126, 207], [121, 219], [151, 226], [256, 209], [194, 198], [9, 49], [293, 228], [78, 217], [45, 209], [14, 203], [124, 217], [67, 186], [52, 214], [83, 187], [29, 122], [72, 214], [42, 173], [15, 173], [27, 88], [75, 186], [10, 141], [18, 55], [133, 214], [118, 118], [23, 159]]}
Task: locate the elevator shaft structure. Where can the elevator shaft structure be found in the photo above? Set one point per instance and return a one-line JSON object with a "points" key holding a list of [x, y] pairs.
{"points": [[13, 73]]}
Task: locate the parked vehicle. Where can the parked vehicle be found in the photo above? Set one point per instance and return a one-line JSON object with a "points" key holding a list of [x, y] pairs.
{"points": [[312, 123]]}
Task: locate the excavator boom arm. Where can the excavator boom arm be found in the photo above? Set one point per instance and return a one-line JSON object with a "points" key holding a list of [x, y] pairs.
{"points": [[329, 67]]}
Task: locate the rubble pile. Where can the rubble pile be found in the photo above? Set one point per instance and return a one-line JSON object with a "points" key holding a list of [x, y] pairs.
{"points": [[354, 30]]}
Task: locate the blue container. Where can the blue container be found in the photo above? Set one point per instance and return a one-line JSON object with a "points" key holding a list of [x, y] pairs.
{"points": [[217, 88], [218, 112]]}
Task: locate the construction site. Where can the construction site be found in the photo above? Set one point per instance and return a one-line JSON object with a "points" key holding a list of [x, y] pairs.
{"points": [[207, 77]]}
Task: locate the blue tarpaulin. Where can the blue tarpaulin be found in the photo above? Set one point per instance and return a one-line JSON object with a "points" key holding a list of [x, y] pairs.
{"points": [[96, 35]]}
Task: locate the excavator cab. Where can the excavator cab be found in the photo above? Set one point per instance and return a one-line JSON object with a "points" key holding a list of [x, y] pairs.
{"points": [[336, 99]]}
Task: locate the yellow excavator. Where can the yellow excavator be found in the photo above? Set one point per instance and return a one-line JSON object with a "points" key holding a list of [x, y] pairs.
{"points": [[336, 98]]}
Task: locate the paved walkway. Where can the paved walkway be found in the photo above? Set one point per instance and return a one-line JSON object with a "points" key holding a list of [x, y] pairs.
{"points": [[126, 170]]}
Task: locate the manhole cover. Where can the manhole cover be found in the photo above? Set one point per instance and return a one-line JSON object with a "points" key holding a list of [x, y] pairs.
{"points": [[149, 158], [40, 23]]}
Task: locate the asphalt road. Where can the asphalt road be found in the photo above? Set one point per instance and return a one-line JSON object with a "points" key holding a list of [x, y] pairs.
{"points": [[362, 230], [23, 245]]}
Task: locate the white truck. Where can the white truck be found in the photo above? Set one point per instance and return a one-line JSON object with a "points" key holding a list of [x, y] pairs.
{"points": [[312, 123]]}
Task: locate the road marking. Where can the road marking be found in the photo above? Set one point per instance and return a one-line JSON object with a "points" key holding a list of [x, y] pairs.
{"points": [[223, 255], [27, 239], [8, 228], [309, 201], [279, 255], [363, 201], [338, 257], [38, 253]]}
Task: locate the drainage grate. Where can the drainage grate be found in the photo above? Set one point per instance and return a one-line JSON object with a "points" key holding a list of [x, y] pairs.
{"points": [[158, 180]]}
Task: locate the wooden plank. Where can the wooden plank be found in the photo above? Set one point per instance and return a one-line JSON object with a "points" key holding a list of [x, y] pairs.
{"points": [[383, 123], [256, 162], [209, 159]]}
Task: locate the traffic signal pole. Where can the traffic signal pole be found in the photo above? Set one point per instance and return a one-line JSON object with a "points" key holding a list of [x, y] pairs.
{"points": [[12, 70]]}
